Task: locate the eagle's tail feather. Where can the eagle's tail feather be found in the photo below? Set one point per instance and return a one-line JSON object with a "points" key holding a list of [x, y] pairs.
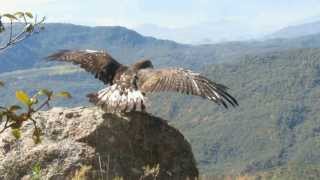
{"points": [[116, 99]]}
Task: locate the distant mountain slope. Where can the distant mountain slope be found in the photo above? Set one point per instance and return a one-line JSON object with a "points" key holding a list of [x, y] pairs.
{"points": [[296, 31], [127, 46], [121, 42], [206, 32], [124, 44], [275, 126], [277, 83]]}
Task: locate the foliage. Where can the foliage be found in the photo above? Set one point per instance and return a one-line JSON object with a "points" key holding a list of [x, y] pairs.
{"points": [[36, 171], [13, 116], [30, 23], [277, 120]]}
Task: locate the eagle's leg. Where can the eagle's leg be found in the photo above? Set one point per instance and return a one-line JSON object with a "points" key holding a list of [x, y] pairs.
{"points": [[93, 97], [143, 108]]}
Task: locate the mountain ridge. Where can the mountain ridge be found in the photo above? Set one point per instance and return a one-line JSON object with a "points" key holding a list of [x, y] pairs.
{"points": [[127, 46], [275, 81], [294, 31]]}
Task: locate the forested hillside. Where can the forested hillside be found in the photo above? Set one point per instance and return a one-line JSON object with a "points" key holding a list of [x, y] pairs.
{"points": [[277, 83], [276, 124]]}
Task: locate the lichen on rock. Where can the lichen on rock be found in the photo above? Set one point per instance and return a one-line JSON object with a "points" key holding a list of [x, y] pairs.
{"points": [[86, 142]]}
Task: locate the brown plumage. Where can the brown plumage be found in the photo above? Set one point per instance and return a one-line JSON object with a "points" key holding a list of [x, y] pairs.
{"points": [[129, 84]]}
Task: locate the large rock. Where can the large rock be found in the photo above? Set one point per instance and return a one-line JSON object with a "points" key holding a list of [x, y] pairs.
{"points": [[85, 143]]}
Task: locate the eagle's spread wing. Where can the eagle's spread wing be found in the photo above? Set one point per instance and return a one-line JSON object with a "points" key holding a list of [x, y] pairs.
{"points": [[184, 81], [101, 64]]}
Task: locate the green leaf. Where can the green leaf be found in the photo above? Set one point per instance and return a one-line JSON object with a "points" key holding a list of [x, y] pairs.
{"points": [[29, 14], [14, 108], [19, 14], [34, 100], [16, 133], [36, 170], [36, 135], [10, 16], [45, 92], [64, 94], [23, 98]]}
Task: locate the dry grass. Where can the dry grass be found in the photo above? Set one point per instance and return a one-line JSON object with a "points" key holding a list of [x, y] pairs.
{"points": [[81, 173]]}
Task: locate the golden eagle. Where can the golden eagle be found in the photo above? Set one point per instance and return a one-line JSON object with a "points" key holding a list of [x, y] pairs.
{"points": [[129, 84]]}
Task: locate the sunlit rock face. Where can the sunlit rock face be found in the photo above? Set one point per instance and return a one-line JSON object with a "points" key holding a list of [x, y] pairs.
{"points": [[87, 143]]}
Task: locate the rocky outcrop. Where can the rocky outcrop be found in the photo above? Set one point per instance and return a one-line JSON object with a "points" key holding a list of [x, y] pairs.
{"points": [[85, 143]]}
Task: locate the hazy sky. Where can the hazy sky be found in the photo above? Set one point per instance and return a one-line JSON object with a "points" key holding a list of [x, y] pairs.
{"points": [[168, 13]]}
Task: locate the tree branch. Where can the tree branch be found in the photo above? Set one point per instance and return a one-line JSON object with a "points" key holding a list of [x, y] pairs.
{"points": [[5, 126], [43, 104], [28, 30]]}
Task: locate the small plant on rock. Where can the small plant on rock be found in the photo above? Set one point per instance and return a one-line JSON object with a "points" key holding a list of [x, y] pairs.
{"points": [[14, 116]]}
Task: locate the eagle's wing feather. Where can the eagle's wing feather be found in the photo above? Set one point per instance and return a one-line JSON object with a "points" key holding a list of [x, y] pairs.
{"points": [[184, 81], [101, 64]]}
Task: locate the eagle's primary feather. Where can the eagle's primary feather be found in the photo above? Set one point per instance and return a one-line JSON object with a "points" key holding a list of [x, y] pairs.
{"points": [[129, 84], [184, 81], [101, 64]]}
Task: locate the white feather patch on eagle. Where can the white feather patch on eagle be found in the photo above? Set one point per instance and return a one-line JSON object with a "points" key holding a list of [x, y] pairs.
{"points": [[90, 51], [116, 99]]}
